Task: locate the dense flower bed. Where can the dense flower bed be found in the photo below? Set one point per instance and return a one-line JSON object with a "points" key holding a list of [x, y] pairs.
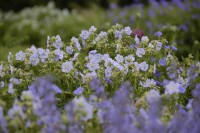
{"points": [[80, 94]]}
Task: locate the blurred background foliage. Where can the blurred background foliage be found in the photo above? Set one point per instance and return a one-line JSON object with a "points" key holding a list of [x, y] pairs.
{"points": [[24, 23]]}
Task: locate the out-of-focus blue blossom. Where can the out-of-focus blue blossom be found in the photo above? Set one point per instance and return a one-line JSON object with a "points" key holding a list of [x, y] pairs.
{"points": [[79, 91], [129, 59], [118, 34], [158, 46], [166, 46], [34, 59], [144, 39], [158, 34], [2, 84], [119, 58], [174, 48], [3, 123], [162, 62], [172, 88], [101, 35], [97, 85]]}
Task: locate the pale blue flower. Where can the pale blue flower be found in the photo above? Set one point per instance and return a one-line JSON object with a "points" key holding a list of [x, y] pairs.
{"points": [[69, 49], [16, 110], [93, 65], [119, 58], [140, 52], [58, 54], [118, 34], [153, 95], [158, 46], [20, 56], [128, 30], [162, 62], [84, 34], [129, 59], [172, 88], [76, 43], [144, 66], [10, 88], [34, 59], [2, 73], [137, 40], [108, 72], [149, 83], [43, 54], [1, 84], [58, 42], [67, 66]]}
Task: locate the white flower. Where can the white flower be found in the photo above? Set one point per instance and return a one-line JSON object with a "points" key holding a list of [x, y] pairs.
{"points": [[1, 84], [76, 43], [129, 59], [158, 46], [67, 66], [172, 88], [118, 34], [144, 66], [84, 34], [145, 39], [69, 49], [140, 52], [58, 42], [20, 56], [119, 58], [128, 30], [82, 107]]}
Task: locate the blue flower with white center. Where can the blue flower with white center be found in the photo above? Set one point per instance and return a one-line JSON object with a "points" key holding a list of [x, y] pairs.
{"points": [[158, 46], [172, 88], [129, 59], [145, 39], [69, 49], [118, 34], [76, 43], [79, 91], [84, 34], [128, 30], [34, 59], [67, 66], [162, 62], [58, 42], [158, 34], [93, 65], [144, 66], [140, 52], [119, 58], [20, 56], [58, 55]]}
